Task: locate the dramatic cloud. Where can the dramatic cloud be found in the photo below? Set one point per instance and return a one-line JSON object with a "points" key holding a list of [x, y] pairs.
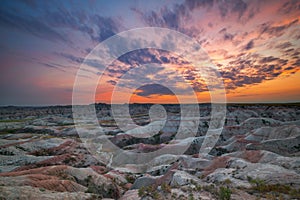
{"points": [[29, 25], [153, 89], [250, 43], [50, 23]]}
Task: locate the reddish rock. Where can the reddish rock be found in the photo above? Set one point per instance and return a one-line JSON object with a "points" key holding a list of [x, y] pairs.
{"points": [[252, 155], [218, 162], [58, 185], [99, 169]]}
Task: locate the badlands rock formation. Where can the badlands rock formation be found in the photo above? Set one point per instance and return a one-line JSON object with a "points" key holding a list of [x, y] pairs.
{"points": [[257, 155]]}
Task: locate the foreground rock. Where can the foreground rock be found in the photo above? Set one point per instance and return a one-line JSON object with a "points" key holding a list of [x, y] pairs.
{"points": [[256, 156]]}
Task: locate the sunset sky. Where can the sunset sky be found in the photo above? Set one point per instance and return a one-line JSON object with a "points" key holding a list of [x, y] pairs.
{"points": [[255, 46]]}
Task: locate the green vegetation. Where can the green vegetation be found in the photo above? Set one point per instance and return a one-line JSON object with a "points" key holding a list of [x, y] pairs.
{"points": [[166, 188], [224, 193], [8, 131], [13, 120], [142, 191], [227, 181], [209, 188], [191, 196], [130, 178], [272, 191], [257, 184], [198, 188], [212, 189], [149, 191]]}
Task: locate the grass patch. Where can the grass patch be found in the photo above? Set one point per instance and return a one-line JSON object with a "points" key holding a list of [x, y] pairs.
{"points": [[166, 188], [149, 191], [13, 120], [130, 178], [224, 193], [273, 189], [8, 131]]}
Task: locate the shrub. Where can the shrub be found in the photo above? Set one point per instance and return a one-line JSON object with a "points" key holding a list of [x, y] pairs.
{"points": [[257, 184], [224, 193], [227, 181], [148, 191], [210, 188], [141, 192], [166, 188], [191, 196], [130, 178], [273, 190], [198, 188]]}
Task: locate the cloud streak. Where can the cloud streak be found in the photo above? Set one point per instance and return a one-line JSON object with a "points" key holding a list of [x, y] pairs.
{"points": [[250, 42]]}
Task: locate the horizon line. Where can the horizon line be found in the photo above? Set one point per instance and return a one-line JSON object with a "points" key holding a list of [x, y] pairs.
{"points": [[229, 103]]}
